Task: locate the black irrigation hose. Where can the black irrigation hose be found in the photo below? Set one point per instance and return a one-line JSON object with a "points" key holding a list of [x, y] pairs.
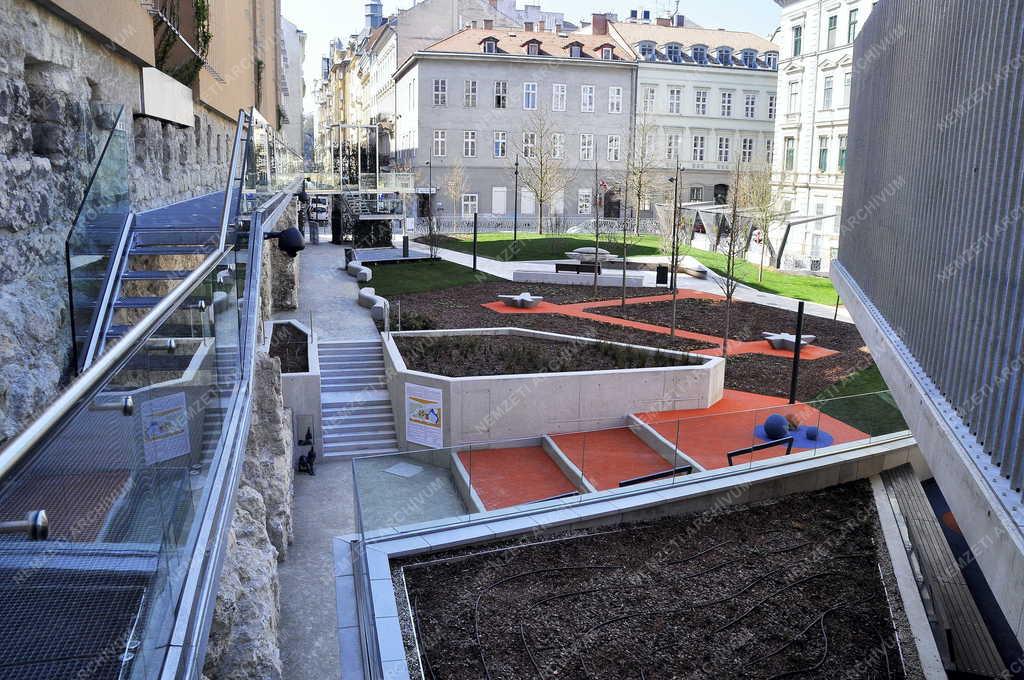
{"points": [[476, 607], [702, 552], [806, 628], [821, 661], [774, 594]]}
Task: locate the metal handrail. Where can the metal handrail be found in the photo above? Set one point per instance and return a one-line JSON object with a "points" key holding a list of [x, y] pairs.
{"points": [[99, 320]]}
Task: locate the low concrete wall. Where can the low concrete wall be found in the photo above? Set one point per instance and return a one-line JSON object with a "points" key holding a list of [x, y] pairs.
{"points": [[494, 408], [574, 279], [301, 391]]}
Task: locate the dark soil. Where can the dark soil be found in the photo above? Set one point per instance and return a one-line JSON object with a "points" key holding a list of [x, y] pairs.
{"points": [[458, 356], [289, 344], [747, 321], [781, 589]]}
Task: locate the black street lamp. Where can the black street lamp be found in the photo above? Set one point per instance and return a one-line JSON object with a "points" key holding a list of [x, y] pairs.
{"points": [[430, 190], [515, 210]]}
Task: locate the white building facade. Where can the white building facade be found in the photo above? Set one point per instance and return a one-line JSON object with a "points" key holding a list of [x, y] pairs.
{"points": [[706, 97], [811, 136], [293, 50]]}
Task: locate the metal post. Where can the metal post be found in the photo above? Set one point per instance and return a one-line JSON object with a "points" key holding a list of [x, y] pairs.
{"points": [[515, 210], [376, 154], [475, 216], [796, 352], [673, 260]]}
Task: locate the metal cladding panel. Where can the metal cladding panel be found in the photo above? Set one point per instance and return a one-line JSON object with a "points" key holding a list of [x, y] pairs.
{"points": [[933, 215]]}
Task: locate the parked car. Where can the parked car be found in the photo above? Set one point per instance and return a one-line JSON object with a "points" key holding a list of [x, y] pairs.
{"points": [[319, 209]]}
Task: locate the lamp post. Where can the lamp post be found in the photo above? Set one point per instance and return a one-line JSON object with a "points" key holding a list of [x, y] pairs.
{"points": [[515, 210], [673, 263]]}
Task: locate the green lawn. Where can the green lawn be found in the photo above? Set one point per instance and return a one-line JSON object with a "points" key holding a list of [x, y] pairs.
{"points": [[810, 288], [857, 401], [499, 246], [417, 277]]}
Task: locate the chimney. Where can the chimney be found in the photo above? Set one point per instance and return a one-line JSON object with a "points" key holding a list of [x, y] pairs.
{"points": [[542, 26], [600, 25], [528, 26], [489, 24], [664, 21], [494, 4]]}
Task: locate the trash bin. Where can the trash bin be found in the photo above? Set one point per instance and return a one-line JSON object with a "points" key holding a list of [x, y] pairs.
{"points": [[661, 277]]}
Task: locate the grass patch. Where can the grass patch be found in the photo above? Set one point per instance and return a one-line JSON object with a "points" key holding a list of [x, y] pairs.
{"points": [[418, 277], [863, 401], [810, 288], [499, 246]]}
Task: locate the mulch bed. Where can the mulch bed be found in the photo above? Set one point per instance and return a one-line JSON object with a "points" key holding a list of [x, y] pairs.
{"points": [[782, 589], [289, 344], [475, 355], [461, 307]]}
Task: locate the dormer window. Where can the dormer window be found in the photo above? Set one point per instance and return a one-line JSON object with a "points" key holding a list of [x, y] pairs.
{"points": [[700, 55], [674, 52], [771, 60], [490, 45], [575, 50], [532, 47], [607, 53], [646, 50], [725, 56], [750, 58]]}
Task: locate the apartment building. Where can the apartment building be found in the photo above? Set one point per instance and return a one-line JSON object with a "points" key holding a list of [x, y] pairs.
{"points": [[293, 50], [707, 98], [472, 102], [815, 81]]}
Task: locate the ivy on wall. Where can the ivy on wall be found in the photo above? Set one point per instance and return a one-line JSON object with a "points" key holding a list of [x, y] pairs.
{"points": [[182, 64]]}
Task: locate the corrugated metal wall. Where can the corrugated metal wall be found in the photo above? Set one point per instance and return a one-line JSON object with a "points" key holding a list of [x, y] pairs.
{"points": [[932, 219]]}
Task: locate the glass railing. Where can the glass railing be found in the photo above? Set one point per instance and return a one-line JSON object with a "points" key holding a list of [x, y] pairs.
{"points": [[95, 241], [610, 227], [609, 456], [272, 165]]}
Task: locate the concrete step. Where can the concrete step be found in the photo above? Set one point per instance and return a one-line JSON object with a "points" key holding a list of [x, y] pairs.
{"points": [[357, 411], [333, 364], [347, 381], [387, 434], [352, 343], [356, 425], [373, 373], [359, 443], [346, 454], [339, 357], [346, 417]]}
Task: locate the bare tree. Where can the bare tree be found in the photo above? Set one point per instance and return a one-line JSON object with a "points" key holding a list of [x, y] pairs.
{"points": [[760, 202], [455, 186], [542, 166], [639, 184], [733, 243]]}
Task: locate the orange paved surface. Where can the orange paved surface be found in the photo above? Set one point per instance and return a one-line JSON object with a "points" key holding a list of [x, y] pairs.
{"points": [[607, 457], [579, 311], [707, 435], [506, 477]]}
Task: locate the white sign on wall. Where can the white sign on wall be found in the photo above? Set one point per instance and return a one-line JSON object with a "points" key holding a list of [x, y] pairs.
{"points": [[165, 428], [424, 416]]}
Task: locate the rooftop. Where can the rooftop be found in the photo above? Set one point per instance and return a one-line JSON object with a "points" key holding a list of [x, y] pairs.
{"points": [[557, 45]]}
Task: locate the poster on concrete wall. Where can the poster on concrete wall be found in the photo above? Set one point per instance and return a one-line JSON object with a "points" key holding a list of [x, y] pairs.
{"points": [[165, 428], [424, 416]]}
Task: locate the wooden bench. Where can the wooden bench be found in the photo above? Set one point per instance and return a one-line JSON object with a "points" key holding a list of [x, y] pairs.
{"points": [[961, 634]]}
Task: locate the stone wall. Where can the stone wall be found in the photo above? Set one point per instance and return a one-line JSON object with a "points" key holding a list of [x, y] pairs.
{"points": [[59, 92], [284, 269]]}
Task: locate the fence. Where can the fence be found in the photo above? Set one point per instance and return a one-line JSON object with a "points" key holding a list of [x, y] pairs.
{"points": [[554, 225]]}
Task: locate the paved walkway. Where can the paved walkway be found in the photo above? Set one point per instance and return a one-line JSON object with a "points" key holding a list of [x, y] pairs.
{"points": [[579, 311], [504, 270]]}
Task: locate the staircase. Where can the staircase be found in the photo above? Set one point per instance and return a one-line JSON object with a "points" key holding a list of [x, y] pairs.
{"points": [[355, 405]]}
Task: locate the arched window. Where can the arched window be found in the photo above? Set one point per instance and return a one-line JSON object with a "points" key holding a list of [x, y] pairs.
{"points": [[700, 54], [725, 56], [674, 52], [750, 58]]}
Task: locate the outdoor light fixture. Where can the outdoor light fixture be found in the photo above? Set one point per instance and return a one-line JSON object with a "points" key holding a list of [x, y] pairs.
{"points": [[290, 241]]}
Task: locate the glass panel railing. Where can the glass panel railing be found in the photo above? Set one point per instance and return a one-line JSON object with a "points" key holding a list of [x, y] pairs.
{"points": [[271, 165], [608, 456], [122, 482], [94, 241]]}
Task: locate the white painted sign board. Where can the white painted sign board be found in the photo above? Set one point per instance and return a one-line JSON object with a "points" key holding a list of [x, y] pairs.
{"points": [[424, 415], [165, 428]]}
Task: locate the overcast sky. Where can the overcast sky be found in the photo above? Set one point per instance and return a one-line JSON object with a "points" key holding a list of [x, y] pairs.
{"points": [[326, 19]]}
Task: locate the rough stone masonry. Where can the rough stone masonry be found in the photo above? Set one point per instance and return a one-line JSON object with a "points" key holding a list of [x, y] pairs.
{"points": [[60, 90]]}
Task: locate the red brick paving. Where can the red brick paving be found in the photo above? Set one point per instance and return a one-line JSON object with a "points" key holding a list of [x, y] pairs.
{"points": [[507, 477], [606, 457], [579, 311]]}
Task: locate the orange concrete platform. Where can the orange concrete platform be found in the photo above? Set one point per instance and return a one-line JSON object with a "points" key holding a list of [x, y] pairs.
{"points": [[707, 435], [607, 457], [507, 477], [579, 311]]}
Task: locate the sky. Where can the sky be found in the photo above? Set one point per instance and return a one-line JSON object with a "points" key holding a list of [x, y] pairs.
{"points": [[323, 20]]}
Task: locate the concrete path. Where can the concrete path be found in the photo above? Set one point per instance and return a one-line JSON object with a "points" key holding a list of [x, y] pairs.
{"points": [[504, 270]]}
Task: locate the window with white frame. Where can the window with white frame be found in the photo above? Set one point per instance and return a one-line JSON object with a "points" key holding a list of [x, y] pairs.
{"points": [[696, 193], [847, 88], [646, 50], [614, 100], [794, 97], [529, 144], [440, 143], [649, 97], [587, 98], [771, 106], [771, 60], [725, 56], [798, 40], [698, 147], [530, 96], [723, 149], [500, 144], [533, 49], [789, 151], [851, 31], [470, 204], [527, 201], [747, 149], [614, 148], [469, 143], [469, 97], [500, 94], [440, 92], [826, 92], [586, 146], [833, 31], [842, 153], [750, 106], [674, 52], [558, 97], [823, 153], [675, 97], [584, 202], [490, 46], [769, 150], [749, 58], [575, 51], [608, 53], [700, 102], [700, 54], [726, 104], [672, 142], [557, 145]]}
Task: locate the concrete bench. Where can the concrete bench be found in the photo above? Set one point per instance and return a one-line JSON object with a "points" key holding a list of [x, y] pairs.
{"points": [[692, 267], [379, 307], [787, 340], [523, 300], [362, 274]]}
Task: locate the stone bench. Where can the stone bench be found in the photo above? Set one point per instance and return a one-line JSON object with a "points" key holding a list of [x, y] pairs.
{"points": [[692, 267], [362, 274], [787, 340], [523, 300], [379, 307]]}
